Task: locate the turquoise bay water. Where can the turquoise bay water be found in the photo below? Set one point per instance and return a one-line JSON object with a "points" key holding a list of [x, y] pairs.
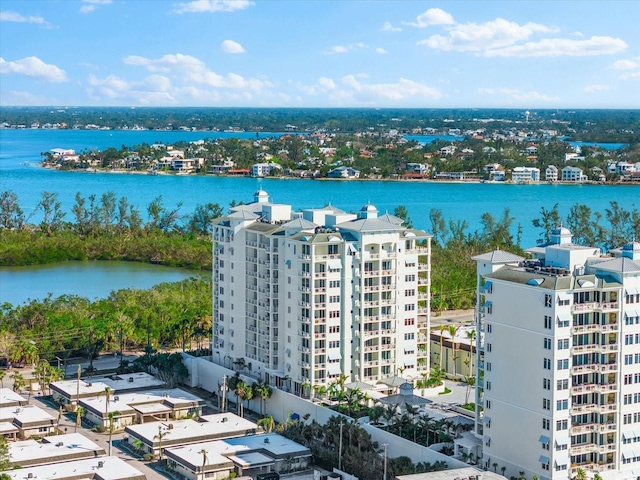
{"points": [[86, 279], [20, 150]]}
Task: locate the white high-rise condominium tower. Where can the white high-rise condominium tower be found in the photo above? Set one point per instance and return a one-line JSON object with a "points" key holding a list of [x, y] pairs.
{"points": [[559, 365], [301, 298]]}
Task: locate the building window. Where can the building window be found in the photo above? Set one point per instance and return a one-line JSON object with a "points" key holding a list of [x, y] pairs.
{"points": [[562, 404], [561, 424], [546, 383], [562, 384], [409, 336], [548, 322], [408, 322], [546, 424], [547, 343], [548, 300], [409, 307], [488, 385], [547, 364], [410, 292], [410, 278], [563, 344], [563, 364], [488, 347], [487, 404], [489, 328], [488, 366]]}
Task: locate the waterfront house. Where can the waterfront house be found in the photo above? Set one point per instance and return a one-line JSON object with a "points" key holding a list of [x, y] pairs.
{"points": [[344, 172], [525, 175], [551, 173], [573, 175]]}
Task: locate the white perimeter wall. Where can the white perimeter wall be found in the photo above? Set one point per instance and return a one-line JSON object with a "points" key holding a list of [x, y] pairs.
{"points": [[206, 375]]}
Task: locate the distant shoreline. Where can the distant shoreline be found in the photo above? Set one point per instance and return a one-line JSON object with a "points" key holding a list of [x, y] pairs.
{"points": [[324, 179]]}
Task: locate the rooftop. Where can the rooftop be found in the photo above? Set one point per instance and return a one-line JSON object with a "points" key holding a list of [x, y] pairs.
{"points": [[58, 448], [103, 468], [180, 432]]}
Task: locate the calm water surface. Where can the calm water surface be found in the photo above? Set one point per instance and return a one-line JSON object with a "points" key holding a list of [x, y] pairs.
{"points": [[20, 150], [87, 279]]}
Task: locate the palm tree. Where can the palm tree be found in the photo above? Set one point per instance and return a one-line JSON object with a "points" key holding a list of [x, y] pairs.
{"points": [[137, 444], [241, 393], [161, 434], [443, 327], [471, 335], [502, 469], [111, 416], [581, 474], [203, 452], [263, 392], [107, 397], [267, 423], [453, 329], [18, 381], [59, 418], [79, 413]]}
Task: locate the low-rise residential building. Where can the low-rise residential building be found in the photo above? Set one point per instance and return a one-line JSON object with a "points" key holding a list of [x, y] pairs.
{"points": [[142, 407], [573, 175], [53, 449], [456, 358], [525, 175], [245, 456], [264, 169], [344, 172], [551, 173], [101, 468], [68, 391], [26, 421], [156, 435]]}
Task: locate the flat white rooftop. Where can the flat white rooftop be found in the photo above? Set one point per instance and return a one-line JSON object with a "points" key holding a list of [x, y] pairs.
{"points": [[152, 399], [53, 449], [182, 432], [117, 383], [29, 414], [461, 473], [8, 397], [244, 451], [104, 468]]}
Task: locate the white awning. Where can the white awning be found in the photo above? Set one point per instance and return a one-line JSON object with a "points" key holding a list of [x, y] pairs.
{"points": [[565, 295], [334, 368], [629, 452], [632, 290], [565, 317], [353, 248], [335, 355], [334, 264], [631, 312], [630, 434]]}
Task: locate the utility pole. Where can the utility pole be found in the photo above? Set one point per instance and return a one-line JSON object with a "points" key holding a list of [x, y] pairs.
{"points": [[224, 392], [340, 448], [384, 475]]}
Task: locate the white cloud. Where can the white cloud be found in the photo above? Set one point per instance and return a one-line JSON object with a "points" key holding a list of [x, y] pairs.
{"points": [[229, 46], [557, 47], [337, 49], [19, 18], [381, 51], [518, 95], [193, 71], [152, 90], [34, 67], [212, 6], [91, 5], [626, 64], [352, 90], [473, 37], [630, 76], [596, 88], [433, 16], [387, 27]]}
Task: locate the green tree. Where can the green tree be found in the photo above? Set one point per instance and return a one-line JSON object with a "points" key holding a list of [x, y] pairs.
{"points": [[79, 414], [112, 416], [401, 212], [549, 220]]}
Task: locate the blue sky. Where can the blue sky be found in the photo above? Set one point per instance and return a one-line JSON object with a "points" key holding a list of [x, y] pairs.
{"points": [[321, 53]]}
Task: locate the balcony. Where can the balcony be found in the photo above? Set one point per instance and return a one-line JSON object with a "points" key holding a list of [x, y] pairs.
{"points": [[593, 306], [592, 327], [584, 348], [584, 388], [581, 409], [578, 429]]}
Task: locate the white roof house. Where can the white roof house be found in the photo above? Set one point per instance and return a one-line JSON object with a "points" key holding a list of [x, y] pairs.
{"points": [[53, 449], [249, 455], [573, 174], [184, 432], [67, 391], [142, 406], [29, 420], [525, 175], [101, 468]]}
